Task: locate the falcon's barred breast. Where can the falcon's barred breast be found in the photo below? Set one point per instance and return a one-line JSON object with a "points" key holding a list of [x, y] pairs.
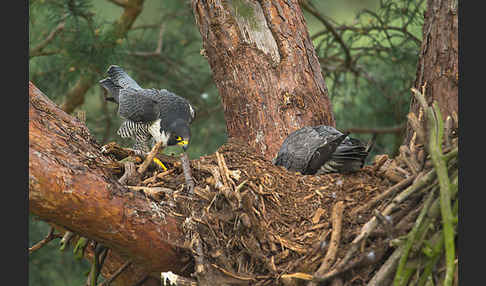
{"points": [[149, 113], [321, 149]]}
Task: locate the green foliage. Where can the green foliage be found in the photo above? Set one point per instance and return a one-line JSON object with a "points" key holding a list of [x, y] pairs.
{"points": [[370, 66], [48, 266]]}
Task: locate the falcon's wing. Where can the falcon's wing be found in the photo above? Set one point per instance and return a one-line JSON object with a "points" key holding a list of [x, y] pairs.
{"points": [[298, 148], [351, 149], [120, 78], [324, 153], [138, 105], [172, 107]]}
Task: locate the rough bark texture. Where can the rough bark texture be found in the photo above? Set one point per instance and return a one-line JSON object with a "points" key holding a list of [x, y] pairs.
{"points": [[70, 184], [265, 68], [438, 61]]}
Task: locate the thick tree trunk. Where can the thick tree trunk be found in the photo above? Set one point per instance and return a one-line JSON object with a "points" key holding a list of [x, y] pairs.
{"points": [[70, 185], [438, 62], [265, 68]]}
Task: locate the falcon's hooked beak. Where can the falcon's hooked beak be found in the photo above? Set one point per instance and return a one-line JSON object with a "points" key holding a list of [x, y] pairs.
{"points": [[183, 142]]}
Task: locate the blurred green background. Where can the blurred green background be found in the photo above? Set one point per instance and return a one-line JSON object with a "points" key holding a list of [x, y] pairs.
{"points": [[368, 68]]}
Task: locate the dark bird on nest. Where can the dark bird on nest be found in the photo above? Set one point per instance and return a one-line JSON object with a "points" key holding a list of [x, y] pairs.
{"points": [[149, 114], [322, 149]]}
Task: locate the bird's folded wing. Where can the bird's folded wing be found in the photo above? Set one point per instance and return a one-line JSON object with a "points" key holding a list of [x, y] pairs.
{"points": [[134, 105], [172, 107]]}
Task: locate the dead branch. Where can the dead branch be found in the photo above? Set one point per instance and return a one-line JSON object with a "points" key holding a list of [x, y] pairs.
{"points": [[116, 274], [50, 236], [186, 167], [150, 157], [336, 218], [384, 275], [390, 192]]}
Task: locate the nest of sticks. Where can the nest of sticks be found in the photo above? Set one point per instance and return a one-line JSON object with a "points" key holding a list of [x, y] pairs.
{"points": [[248, 222]]}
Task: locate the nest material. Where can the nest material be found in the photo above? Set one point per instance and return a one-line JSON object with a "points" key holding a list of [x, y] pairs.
{"points": [[249, 222], [255, 221]]}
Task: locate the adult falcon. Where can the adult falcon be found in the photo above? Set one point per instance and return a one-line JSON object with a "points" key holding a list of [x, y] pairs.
{"points": [[321, 149], [149, 114]]}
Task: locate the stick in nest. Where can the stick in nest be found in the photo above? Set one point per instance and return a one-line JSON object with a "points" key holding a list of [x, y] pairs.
{"points": [[186, 168], [336, 218], [149, 157], [392, 190]]}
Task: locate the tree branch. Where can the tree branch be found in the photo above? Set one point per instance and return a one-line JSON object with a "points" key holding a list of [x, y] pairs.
{"points": [[157, 51], [38, 50], [330, 27], [50, 236], [336, 217], [384, 130], [75, 96], [116, 274], [121, 3], [71, 184]]}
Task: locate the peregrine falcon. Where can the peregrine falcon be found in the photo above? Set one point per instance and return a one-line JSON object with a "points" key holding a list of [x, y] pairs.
{"points": [[321, 149], [149, 114]]}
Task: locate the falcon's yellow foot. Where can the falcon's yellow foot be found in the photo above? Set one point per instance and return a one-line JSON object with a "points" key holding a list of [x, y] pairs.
{"points": [[160, 164]]}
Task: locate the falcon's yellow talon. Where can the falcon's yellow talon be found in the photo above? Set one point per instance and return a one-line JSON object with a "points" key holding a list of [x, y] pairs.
{"points": [[158, 162]]}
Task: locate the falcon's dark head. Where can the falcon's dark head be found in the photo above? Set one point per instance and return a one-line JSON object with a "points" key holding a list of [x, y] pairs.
{"points": [[180, 134]]}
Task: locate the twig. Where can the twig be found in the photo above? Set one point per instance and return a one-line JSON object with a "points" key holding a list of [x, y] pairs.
{"points": [[438, 244], [99, 256], [384, 130], [435, 150], [186, 168], [37, 51], [436, 132], [407, 157], [149, 157], [372, 223], [65, 239], [158, 50], [131, 175], [391, 191], [336, 218], [121, 3], [400, 276], [416, 126], [383, 276], [199, 268], [330, 27], [50, 236], [419, 184], [116, 274], [386, 223], [176, 280], [225, 188]]}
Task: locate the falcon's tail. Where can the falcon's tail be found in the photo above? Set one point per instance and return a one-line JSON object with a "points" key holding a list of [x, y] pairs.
{"points": [[120, 78], [350, 156]]}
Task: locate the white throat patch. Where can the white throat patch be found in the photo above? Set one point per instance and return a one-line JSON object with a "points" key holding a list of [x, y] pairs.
{"points": [[191, 110], [154, 130]]}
